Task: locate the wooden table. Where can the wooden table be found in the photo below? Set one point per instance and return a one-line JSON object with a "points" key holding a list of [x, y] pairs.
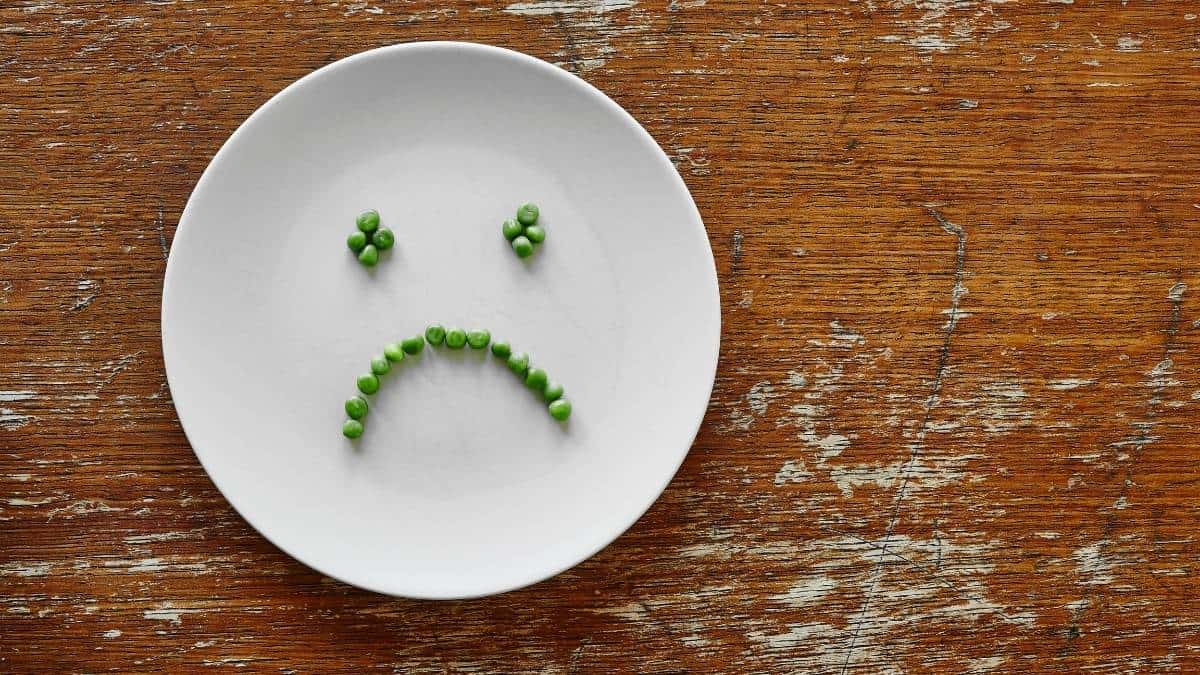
{"points": [[954, 422]]}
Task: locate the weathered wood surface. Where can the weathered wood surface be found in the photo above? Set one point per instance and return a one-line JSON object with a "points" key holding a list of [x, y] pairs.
{"points": [[954, 424]]}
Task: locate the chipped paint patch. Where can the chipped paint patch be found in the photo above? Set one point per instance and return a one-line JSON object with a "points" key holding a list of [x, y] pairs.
{"points": [[168, 613], [634, 611], [25, 569], [792, 471], [11, 419], [807, 592], [1002, 408], [1069, 383], [1093, 565], [547, 7], [160, 536], [797, 635], [10, 396], [110, 634], [759, 397], [20, 501], [1127, 43], [943, 25], [758, 401], [82, 508], [587, 28]]}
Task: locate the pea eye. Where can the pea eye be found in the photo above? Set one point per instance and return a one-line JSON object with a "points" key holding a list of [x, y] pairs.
{"points": [[522, 246], [367, 221], [527, 214]]}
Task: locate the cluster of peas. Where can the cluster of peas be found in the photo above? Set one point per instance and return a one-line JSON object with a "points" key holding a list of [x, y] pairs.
{"points": [[524, 232], [454, 338], [370, 238]]}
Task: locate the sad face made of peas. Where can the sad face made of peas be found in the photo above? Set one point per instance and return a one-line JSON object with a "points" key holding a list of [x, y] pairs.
{"points": [[525, 234]]}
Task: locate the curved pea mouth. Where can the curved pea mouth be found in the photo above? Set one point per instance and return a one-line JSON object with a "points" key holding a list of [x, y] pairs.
{"points": [[437, 336]]}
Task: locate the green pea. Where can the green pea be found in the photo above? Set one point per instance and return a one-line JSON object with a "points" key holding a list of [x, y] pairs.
{"points": [[368, 220], [552, 392], [369, 255], [435, 334], [356, 241], [518, 362], [394, 352], [560, 409], [535, 233], [356, 407], [383, 239], [536, 379], [511, 229], [352, 428], [527, 213], [456, 338], [380, 365], [479, 338], [522, 246], [412, 345], [501, 349], [368, 384]]}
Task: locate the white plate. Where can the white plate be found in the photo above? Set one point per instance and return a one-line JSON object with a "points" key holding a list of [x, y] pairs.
{"points": [[462, 484]]}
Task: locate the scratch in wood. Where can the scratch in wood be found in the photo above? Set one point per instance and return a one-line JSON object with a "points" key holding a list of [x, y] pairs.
{"points": [[573, 57], [115, 368], [1092, 561], [858, 80], [87, 286], [162, 237], [931, 572], [738, 238], [577, 654], [82, 507], [956, 294]]}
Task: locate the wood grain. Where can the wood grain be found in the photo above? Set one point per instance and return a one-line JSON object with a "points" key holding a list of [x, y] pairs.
{"points": [[953, 424]]}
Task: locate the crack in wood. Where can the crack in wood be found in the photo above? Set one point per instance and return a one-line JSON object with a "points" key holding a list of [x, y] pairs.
{"points": [[956, 294], [1156, 377]]}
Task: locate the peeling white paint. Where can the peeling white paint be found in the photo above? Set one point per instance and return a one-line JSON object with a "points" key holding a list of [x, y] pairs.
{"points": [[1068, 383], [792, 471], [805, 634], [173, 615], [1093, 565], [11, 419], [82, 507], [634, 611], [547, 7], [758, 401], [1176, 292], [110, 634], [10, 396], [1127, 43], [159, 536], [25, 569], [20, 501], [806, 592]]}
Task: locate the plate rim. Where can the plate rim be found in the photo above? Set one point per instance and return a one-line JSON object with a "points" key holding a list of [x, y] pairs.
{"points": [[601, 98]]}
